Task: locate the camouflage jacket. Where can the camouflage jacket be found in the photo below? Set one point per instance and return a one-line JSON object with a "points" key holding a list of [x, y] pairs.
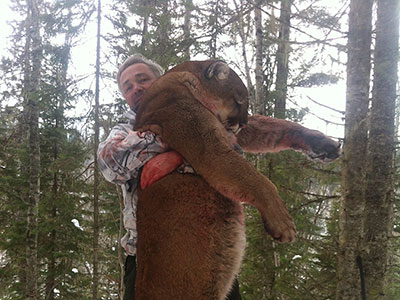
{"points": [[120, 158]]}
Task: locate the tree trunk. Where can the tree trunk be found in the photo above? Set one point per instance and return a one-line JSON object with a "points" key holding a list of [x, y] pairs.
{"points": [[26, 274], [96, 174], [259, 93], [270, 257], [51, 260], [32, 81], [243, 37], [353, 170], [380, 168], [215, 30], [282, 58], [120, 234], [143, 43], [187, 28]]}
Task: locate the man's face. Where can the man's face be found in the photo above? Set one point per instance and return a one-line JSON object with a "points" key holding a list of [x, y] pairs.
{"points": [[134, 81]]}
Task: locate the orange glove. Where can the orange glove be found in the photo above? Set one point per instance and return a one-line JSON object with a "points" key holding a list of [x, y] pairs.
{"points": [[159, 166]]}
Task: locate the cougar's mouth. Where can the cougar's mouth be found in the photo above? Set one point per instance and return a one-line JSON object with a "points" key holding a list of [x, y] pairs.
{"points": [[234, 128]]}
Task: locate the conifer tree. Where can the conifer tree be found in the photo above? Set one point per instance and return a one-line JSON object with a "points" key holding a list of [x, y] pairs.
{"points": [[259, 70], [352, 204], [156, 32], [96, 174], [60, 243], [187, 27], [380, 152], [243, 29], [282, 57], [262, 256], [32, 76]]}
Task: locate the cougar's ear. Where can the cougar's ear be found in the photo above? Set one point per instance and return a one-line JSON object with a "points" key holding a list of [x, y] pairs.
{"points": [[218, 69]]}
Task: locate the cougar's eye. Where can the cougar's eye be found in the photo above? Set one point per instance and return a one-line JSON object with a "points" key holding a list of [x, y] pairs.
{"points": [[240, 98]]}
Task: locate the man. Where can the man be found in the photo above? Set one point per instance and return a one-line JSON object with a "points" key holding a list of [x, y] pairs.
{"points": [[124, 153]]}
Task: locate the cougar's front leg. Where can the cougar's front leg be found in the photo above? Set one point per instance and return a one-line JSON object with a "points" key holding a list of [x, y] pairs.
{"points": [[264, 134], [201, 139]]}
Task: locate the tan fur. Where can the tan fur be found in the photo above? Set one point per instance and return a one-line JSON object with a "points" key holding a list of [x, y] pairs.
{"points": [[191, 240], [190, 226], [265, 134]]}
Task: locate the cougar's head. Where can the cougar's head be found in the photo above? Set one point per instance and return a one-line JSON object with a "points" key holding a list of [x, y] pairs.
{"points": [[222, 90]]}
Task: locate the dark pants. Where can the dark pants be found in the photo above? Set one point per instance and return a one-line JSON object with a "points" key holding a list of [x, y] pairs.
{"points": [[130, 277]]}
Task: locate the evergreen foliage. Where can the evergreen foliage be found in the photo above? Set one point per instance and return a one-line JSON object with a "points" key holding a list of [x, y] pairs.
{"points": [[306, 269]]}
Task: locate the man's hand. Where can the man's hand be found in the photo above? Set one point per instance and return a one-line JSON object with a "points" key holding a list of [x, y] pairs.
{"points": [[159, 166]]}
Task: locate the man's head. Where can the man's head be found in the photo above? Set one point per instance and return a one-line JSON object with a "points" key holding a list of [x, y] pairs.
{"points": [[135, 76]]}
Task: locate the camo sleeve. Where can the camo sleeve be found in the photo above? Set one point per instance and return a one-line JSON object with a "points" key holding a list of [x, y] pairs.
{"points": [[125, 151]]}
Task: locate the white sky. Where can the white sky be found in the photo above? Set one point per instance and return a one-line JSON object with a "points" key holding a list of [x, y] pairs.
{"points": [[84, 59], [5, 31]]}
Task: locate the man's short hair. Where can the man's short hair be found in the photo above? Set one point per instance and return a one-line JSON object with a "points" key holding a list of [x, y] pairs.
{"points": [[138, 58]]}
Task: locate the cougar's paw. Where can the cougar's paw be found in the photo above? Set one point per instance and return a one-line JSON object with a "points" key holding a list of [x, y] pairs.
{"points": [[283, 234], [280, 226], [322, 147]]}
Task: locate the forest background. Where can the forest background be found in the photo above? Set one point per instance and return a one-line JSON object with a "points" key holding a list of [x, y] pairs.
{"points": [[60, 222]]}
